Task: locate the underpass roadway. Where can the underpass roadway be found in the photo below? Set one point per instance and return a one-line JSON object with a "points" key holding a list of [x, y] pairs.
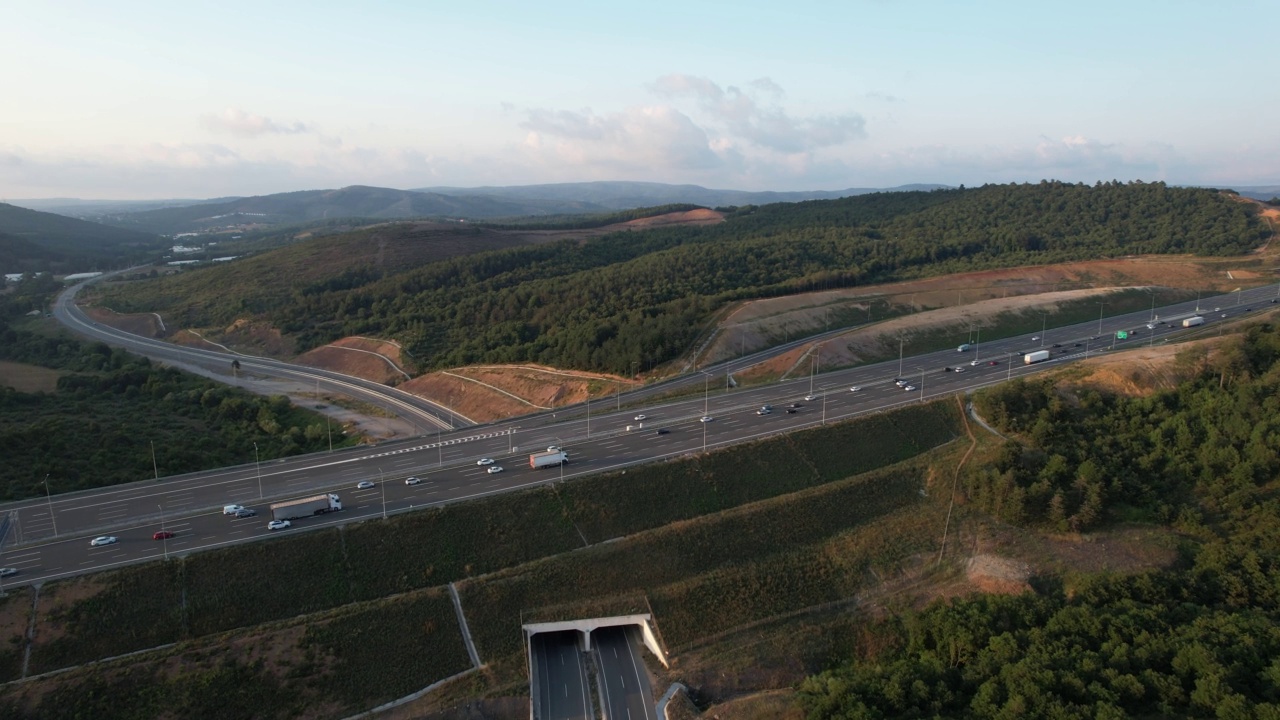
{"points": [[577, 667]]}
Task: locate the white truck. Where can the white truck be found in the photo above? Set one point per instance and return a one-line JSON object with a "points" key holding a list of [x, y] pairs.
{"points": [[305, 507], [1035, 357], [550, 458], [1193, 321]]}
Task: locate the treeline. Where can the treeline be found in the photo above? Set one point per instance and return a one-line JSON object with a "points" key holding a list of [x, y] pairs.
{"points": [[1201, 639], [595, 220], [100, 426], [606, 303]]}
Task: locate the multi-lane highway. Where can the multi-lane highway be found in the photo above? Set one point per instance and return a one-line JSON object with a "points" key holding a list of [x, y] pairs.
{"points": [[620, 676], [49, 537], [561, 690], [561, 682]]}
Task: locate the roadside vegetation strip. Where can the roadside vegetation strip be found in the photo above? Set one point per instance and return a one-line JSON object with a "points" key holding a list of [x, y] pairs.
{"points": [[323, 665], [97, 616], [682, 550], [442, 545], [649, 496], [248, 584], [15, 614]]}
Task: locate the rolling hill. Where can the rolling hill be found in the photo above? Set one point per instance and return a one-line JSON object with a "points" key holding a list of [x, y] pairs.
{"points": [[350, 202], [38, 241], [604, 302]]}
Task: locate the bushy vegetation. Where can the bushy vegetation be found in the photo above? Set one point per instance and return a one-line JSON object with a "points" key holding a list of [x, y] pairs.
{"points": [[1197, 640], [591, 220], [605, 303], [1091, 456], [101, 425]]}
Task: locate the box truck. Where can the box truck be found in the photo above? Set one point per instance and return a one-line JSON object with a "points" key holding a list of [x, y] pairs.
{"points": [[305, 507], [1035, 357]]}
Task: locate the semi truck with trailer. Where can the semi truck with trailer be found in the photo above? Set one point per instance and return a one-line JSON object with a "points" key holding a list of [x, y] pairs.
{"points": [[550, 458], [1035, 357], [1193, 321], [305, 507]]}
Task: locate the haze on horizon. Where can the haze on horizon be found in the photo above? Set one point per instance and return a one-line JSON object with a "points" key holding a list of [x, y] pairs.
{"points": [[136, 99]]}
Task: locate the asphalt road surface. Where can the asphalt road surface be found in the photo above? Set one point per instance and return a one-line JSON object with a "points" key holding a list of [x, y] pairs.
{"points": [[625, 693], [49, 537], [560, 677]]}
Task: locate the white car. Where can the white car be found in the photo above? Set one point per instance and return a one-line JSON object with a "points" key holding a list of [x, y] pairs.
{"points": [[553, 448], [485, 461], [6, 572], [279, 525], [103, 540], [705, 419], [231, 509], [641, 416], [974, 363], [959, 369], [364, 484], [1037, 337], [810, 398], [494, 469], [412, 480], [855, 388], [908, 388]]}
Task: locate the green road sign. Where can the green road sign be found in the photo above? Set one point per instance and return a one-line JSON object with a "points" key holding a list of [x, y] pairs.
{"points": [[1122, 335]]}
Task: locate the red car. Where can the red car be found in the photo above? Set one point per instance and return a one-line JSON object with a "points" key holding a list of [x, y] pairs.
{"points": [[993, 362], [162, 535]]}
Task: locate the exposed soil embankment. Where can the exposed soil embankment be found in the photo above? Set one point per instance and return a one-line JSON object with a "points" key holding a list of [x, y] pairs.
{"points": [[492, 392], [368, 358]]}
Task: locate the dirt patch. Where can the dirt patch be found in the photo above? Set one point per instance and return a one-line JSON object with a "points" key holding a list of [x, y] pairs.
{"points": [[701, 216], [485, 393], [768, 705], [256, 338], [55, 600], [362, 357], [29, 378], [143, 324], [882, 338], [998, 575]]}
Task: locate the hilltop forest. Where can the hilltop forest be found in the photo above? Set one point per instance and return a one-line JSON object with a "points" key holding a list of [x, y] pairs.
{"points": [[1201, 639], [642, 297]]}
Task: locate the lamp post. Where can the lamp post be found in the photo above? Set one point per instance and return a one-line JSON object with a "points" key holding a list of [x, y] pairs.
{"points": [[439, 450], [1009, 362], [1101, 306], [705, 396], [164, 536], [258, 463], [824, 408], [588, 417], [382, 485], [900, 341], [1044, 319], [49, 496], [921, 382]]}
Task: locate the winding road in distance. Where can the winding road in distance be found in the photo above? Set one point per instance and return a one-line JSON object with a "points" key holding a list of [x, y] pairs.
{"points": [[47, 538]]}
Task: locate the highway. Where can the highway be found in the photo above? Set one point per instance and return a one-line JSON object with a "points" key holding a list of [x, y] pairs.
{"points": [[417, 410], [561, 677], [47, 538], [622, 680]]}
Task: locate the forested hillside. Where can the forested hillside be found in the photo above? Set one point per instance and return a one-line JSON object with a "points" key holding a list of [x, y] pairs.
{"points": [[39, 241], [112, 408], [1200, 640], [605, 303]]}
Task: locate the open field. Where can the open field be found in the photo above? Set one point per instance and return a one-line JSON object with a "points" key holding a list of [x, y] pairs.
{"points": [[29, 378]]}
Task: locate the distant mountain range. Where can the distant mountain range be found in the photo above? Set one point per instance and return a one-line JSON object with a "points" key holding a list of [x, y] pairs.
{"points": [[170, 217], [34, 241], [627, 195]]}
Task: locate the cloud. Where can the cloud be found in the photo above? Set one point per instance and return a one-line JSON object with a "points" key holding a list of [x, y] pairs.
{"points": [[885, 97], [653, 137], [739, 114], [244, 124]]}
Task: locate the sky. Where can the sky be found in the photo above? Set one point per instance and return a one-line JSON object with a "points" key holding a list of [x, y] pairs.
{"points": [[193, 99]]}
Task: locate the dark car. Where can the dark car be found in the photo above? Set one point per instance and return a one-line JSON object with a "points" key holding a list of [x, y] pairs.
{"points": [[662, 431], [1077, 344], [245, 512], [792, 411], [162, 535]]}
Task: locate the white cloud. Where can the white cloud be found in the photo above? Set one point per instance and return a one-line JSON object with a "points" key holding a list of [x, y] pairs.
{"points": [[648, 138], [740, 115], [238, 122]]}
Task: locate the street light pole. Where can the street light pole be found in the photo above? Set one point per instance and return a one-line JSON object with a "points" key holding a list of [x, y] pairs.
{"points": [[705, 396], [49, 496], [921, 384], [258, 463], [1101, 307], [382, 485], [164, 536], [588, 417], [824, 408], [1044, 319], [900, 340]]}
